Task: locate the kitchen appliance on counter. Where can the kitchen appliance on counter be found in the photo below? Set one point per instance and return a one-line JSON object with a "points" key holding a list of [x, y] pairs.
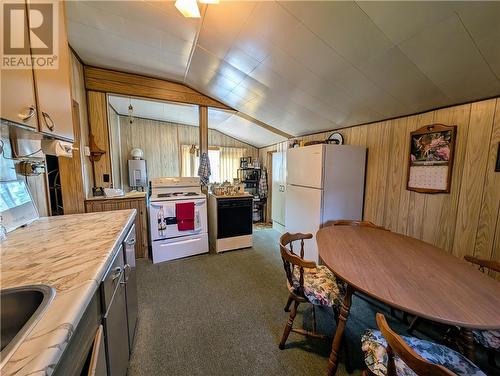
{"points": [[16, 205], [324, 183], [137, 173], [178, 218], [231, 218]]}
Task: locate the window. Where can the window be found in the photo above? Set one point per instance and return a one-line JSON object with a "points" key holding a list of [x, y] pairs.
{"points": [[224, 162]]}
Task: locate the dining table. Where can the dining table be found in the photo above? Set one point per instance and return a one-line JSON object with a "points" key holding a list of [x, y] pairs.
{"points": [[410, 275]]}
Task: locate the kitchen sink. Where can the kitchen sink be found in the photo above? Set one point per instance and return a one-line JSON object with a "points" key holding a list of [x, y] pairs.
{"points": [[20, 309]]}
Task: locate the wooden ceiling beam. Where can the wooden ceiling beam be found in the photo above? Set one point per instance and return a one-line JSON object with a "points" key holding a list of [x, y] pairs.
{"points": [[111, 81], [264, 125]]}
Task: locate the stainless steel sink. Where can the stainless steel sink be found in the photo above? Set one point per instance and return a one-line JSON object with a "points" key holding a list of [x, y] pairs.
{"points": [[20, 309]]}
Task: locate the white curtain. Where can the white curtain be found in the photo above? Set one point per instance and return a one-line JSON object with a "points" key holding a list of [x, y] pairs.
{"points": [[230, 162], [224, 162], [189, 161]]}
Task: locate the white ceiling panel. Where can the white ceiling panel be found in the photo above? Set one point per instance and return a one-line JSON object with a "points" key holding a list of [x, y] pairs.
{"points": [[344, 26], [155, 110], [302, 66], [398, 75], [400, 20], [461, 71], [244, 130], [482, 21]]}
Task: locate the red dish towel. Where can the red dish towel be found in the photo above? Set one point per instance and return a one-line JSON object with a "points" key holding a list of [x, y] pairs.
{"points": [[184, 211]]}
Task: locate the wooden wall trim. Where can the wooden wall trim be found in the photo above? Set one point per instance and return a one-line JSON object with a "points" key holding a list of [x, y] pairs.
{"points": [[71, 171], [98, 127], [111, 81]]}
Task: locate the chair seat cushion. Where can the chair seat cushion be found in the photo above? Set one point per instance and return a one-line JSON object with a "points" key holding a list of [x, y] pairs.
{"points": [[321, 286], [374, 347], [488, 338]]}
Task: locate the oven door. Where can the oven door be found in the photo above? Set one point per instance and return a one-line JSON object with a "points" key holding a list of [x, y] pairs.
{"points": [[163, 222], [234, 217]]}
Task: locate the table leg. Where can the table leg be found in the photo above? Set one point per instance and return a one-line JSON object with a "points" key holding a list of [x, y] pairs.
{"points": [[468, 343], [333, 361]]}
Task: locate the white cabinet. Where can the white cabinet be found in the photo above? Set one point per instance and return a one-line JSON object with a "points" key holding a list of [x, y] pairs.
{"points": [[17, 102], [40, 98], [278, 191], [53, 88]]}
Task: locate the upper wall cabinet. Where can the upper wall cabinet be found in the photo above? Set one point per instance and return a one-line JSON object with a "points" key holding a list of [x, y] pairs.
{"points": [[53, 87], [39, 98], [18, 90]]}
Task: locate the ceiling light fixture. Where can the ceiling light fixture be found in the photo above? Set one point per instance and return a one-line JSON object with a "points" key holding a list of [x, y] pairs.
{"points": [[130, 112], [209, 1], [188, 8]]}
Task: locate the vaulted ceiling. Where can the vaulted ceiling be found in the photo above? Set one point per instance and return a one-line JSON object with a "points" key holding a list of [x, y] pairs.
{"points": [[303, 66], [227, 122]]}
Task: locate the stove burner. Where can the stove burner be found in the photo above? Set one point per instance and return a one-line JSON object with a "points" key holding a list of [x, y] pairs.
{"points": [[177, 194]]}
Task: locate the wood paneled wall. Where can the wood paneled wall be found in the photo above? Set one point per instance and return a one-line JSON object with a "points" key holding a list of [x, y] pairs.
{"points": [[465, 221], [161, 143]]}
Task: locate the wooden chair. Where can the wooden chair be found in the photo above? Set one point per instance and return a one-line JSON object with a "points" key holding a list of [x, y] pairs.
{"points": [[302, 278], [489, 339], [445, 362]]}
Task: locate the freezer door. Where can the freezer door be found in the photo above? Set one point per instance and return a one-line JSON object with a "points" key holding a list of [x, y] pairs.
{"points": [[303, 214], [278, 189], [305, 166]]}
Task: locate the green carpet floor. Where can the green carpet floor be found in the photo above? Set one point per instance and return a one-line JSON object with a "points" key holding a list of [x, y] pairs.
{"points": [[223, 315]]}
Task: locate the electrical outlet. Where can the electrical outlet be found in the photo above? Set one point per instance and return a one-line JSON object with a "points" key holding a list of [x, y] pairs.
{"points": [[86, 151]]}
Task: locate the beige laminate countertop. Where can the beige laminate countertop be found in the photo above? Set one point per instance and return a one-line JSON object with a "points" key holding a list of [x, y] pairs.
{"points": [[128, 195], [71, 253]]}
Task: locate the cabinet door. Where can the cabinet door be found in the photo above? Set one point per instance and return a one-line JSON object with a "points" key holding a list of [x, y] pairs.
{"points": [[17, 86], [53, 88]]}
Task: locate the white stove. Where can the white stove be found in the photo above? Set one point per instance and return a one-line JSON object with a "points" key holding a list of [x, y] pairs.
{"points": [[178, 218]]}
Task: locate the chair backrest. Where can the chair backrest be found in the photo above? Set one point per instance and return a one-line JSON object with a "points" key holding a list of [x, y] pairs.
{"points": [[488, 264], [350, 222], [396, 345], [292, 260]]}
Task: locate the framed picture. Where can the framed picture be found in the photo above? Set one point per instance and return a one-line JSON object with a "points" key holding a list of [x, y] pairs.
{"points": [[497, 165], [431, 159]]}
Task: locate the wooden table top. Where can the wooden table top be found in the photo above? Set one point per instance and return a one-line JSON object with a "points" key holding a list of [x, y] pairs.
{"points": [[411, 275]]}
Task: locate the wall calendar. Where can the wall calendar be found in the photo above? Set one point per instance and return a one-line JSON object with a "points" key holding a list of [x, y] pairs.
{"points": [[431, 159]]}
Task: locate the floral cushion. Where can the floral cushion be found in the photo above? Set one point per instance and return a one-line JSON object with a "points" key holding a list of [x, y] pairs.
{"points": [[321, 287], [374, 346], [488, 338]]}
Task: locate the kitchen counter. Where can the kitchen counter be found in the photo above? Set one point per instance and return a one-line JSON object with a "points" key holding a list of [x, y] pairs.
{"points": [[71, 253], [242, 195], [128, 195]]}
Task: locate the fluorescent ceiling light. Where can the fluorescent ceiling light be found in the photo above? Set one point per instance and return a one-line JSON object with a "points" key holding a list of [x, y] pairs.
{"points": [[188, 8]]}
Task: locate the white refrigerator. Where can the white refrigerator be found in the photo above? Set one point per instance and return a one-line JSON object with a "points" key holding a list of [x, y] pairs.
{"points": [[324, 183]]}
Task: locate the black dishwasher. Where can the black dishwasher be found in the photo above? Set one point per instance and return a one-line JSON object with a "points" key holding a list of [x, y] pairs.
{"points": [[234, 217]]}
